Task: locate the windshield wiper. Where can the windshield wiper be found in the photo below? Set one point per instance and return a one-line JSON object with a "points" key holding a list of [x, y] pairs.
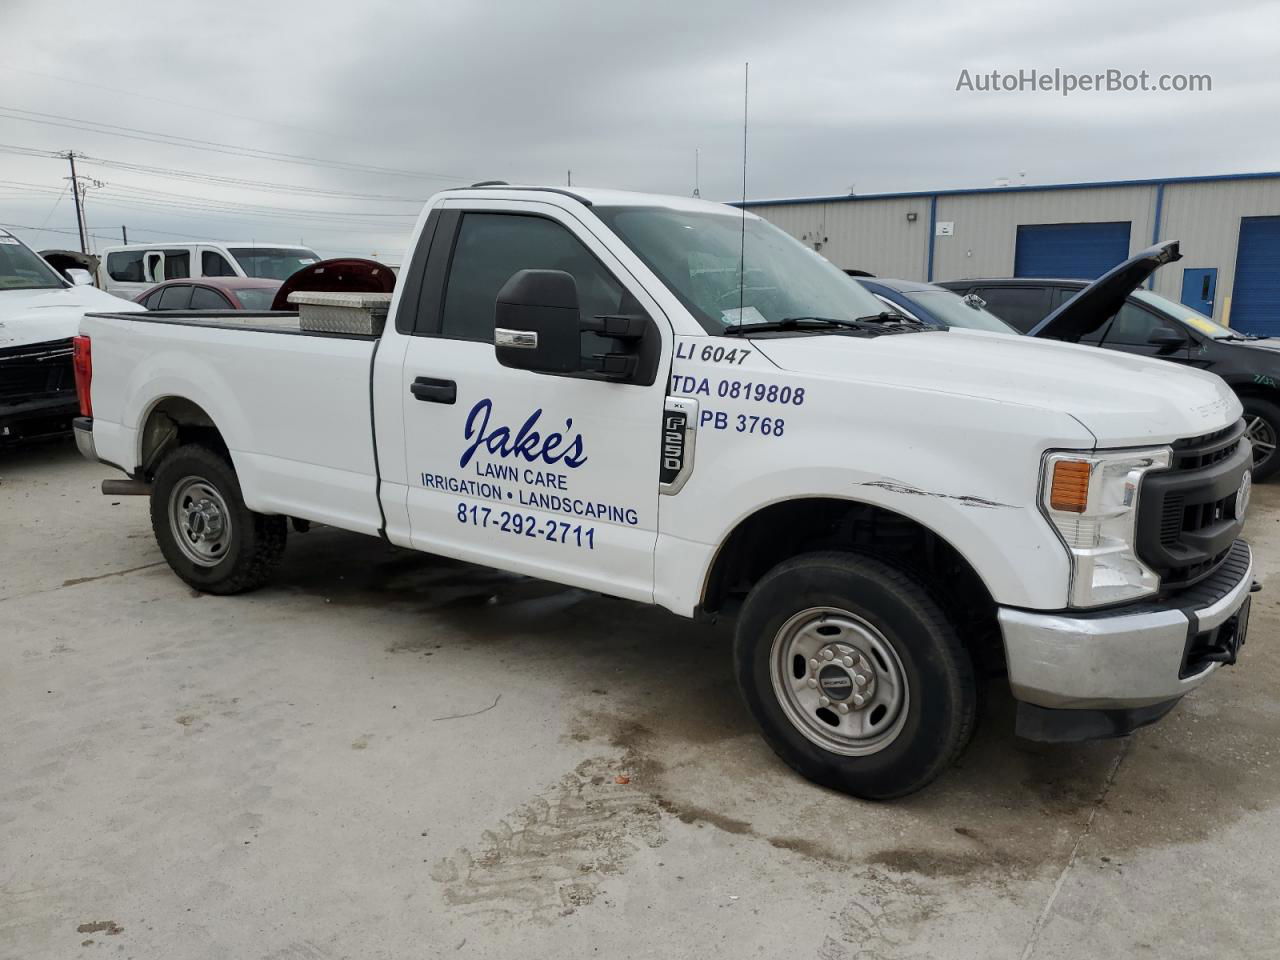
{"points": [[875, 323]]}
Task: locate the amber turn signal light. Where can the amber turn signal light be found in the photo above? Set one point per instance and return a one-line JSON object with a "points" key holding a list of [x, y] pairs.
{"points": [[1070, 490]]}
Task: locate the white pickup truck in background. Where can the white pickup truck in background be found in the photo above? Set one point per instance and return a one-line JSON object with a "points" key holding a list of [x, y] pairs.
{"points": [[674, 402]]}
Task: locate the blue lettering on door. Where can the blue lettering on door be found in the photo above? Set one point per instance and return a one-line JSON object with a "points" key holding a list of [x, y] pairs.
{"points": [[527, 444]]}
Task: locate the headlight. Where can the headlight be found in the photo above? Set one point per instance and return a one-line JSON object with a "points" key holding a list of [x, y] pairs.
{"points": [[1092, 501]]}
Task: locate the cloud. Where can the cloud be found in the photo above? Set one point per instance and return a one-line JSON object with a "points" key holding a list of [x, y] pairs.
{"points": [[622, 95]]}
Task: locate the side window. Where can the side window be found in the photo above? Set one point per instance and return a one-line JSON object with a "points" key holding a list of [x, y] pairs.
{"points": [[203, 298], [176, 297], [177, 264], [1134, 326], [214, 264], [153, 302], [490, 247], [125, 266], [1023, 307], [1060, 295]]}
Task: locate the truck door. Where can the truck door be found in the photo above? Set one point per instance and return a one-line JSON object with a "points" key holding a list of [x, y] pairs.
{"points": [[555, 476]]}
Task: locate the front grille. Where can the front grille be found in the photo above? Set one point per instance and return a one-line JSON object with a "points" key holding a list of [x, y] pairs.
{"points": [[36, 370], [1196, 452], [1187, 515]]}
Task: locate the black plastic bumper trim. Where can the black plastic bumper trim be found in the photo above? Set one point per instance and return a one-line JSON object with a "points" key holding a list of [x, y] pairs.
{"points": [[1048, 725]]}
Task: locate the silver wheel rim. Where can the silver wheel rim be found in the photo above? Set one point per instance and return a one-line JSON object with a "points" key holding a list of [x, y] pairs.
{"points": [[1263, 437], [839, 681], [200, 521]]}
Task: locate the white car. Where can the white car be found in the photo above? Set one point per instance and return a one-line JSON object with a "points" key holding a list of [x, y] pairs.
{"points": [[674, 402], [39, 314], [134, 269]]}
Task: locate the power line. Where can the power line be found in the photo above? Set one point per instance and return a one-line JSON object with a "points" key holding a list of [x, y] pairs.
{"points": [[152, 136], [210, 205], [203, 108], [197, 177]]}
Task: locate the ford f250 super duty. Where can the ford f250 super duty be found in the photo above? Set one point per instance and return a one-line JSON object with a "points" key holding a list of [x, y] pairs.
{"points": [[674, 402]]}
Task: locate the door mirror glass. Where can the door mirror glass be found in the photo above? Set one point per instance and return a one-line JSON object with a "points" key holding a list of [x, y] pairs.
{"points": [[1167, 338], [538, 325]]}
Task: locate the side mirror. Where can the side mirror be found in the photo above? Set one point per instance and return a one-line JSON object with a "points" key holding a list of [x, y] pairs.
{"points": [[538, 326], [1167, 339], [79, 277]]}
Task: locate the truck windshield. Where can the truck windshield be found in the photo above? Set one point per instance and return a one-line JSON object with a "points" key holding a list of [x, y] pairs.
{"points": [[22, 269], [273, 263], [725, 277]]}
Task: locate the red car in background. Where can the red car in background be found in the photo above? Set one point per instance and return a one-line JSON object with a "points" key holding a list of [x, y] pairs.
{"points": [[211, 293]]}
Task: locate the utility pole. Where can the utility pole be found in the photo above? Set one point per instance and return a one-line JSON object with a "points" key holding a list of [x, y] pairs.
{"points": [[75, 192], [124, 233], [569, 179]]}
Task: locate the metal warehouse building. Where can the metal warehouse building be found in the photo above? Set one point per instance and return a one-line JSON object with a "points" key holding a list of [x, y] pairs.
{"points": [[1229, 227]]}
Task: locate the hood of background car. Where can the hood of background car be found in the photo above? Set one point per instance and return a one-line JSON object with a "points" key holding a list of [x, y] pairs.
{"points": [[1098, 302], [1124, 400], [35, 316]]}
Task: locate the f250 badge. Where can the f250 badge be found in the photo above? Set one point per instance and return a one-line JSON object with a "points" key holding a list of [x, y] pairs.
{"points": [[527, 444]]}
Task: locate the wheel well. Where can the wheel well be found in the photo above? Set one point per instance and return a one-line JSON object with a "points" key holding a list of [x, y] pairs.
{"points": [[784, 530], [172, 422]]}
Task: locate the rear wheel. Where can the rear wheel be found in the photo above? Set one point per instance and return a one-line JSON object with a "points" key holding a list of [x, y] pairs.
{"points": [[206, 533], [856, 677], [1262, 421]]}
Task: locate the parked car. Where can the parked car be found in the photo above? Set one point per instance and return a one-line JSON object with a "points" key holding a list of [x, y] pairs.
{"points": [[674, 402], [131, 270], [933, 304], [211, 293], [40, 312], [1137, 321]]}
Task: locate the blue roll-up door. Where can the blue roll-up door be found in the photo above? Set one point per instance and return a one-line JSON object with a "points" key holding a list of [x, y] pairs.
{"points": [[1255, 295], [1074, 251]]}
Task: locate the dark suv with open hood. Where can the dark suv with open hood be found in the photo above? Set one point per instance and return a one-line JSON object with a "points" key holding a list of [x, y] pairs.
{"points": [[1115, 312]]}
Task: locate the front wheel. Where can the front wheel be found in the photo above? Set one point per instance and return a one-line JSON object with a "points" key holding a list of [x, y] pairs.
{"points": [[210, 538], [856, 677], [1262, 421]]}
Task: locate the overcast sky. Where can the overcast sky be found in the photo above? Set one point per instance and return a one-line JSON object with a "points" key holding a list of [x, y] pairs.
{"points": [[842, 95]]}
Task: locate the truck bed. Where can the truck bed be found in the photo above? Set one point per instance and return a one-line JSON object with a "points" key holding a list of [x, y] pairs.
{"points": [[292, 405], [257, 321]]}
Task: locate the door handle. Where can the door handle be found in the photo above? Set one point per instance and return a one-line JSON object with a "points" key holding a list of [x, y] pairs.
{"points": [[434, 391]]}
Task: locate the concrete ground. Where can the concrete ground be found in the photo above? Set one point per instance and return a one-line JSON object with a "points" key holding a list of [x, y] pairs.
{"points": [[388, 755]]}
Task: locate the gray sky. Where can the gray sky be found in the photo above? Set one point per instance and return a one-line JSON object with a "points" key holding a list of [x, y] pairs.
{"points": [[842, 94]]}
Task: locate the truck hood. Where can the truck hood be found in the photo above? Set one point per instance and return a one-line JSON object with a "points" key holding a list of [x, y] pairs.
{"points": [[1098, 302], [1124, 400], [36, 316]]}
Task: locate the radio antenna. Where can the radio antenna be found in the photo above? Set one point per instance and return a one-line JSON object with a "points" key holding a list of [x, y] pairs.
{"points": [[742, 246]]}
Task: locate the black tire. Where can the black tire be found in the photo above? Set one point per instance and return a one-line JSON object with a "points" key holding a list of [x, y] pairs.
{"points": [[254, 544], [1265, 462], [938, 717]]}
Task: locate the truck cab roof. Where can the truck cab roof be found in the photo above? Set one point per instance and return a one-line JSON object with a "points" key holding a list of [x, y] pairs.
{"points": [[597, 196]]}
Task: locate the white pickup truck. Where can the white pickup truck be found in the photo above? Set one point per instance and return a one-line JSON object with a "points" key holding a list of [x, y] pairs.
{"points": [[674, 402]]}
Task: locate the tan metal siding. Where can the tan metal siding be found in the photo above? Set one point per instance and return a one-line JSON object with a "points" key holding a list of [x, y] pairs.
{"points": [[872, 235], [1205, 217], [986, 224]]}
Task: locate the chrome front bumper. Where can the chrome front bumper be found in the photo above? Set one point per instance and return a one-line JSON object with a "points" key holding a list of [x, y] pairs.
{"points": [[1125, 658]]}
